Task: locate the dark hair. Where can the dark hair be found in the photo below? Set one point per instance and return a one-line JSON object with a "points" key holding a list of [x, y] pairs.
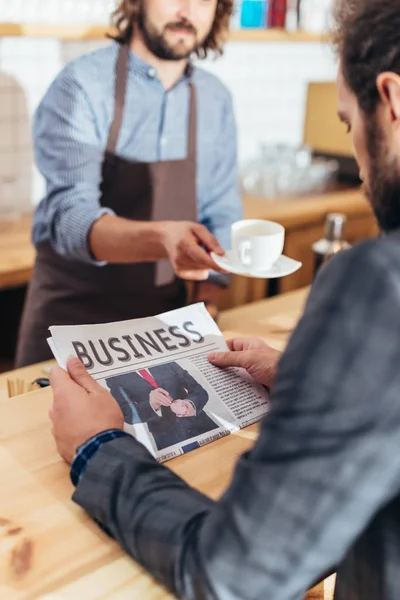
{"points": [[127, 14], [367, 38]]}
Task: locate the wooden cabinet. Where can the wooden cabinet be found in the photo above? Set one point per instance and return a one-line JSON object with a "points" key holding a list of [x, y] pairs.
{"points": [[299, 246], [243, 291]]}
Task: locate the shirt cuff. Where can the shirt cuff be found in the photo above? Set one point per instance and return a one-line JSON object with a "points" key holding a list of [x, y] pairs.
{"points": [[194, 406], [86, 452]]}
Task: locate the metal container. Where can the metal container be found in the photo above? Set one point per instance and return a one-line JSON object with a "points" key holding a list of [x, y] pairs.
{"points": [[332, 243]]}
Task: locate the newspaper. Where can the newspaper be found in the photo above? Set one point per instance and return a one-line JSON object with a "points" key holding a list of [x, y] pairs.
{"points": [[173, 400]]}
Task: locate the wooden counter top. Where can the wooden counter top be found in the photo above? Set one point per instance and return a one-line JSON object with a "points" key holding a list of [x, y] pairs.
{"points": [[273, 319], [71, 558], [306, 210]]}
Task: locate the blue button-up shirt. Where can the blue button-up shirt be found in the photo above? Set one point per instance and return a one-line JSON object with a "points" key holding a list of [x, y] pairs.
{"points": [[71, 130]]}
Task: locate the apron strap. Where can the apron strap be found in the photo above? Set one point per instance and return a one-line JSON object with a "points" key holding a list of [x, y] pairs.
{"points": [[121, 81], [192, 137]]}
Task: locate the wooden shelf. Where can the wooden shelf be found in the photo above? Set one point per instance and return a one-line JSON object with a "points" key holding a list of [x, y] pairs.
{"points": [[62, 32], [275, 35], [82, 32]]}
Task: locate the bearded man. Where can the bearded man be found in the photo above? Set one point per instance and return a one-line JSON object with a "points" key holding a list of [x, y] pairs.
{"points": [[138, 149]]}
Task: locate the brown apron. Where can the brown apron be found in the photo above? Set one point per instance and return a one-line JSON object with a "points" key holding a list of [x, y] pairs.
{"points": [[68, 292]]}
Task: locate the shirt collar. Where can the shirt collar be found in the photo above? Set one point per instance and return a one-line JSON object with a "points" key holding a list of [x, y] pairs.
{"points": [[140, 67]]}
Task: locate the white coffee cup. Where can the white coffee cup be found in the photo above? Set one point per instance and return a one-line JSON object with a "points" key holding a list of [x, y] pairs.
{"points": [[258, 243]]}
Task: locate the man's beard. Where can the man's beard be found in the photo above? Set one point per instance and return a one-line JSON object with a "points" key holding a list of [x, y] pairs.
{"points": [[157, 43], [383, 191]]}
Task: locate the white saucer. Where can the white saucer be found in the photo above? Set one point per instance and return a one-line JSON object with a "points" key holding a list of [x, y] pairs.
{"points": [[230, 262]]}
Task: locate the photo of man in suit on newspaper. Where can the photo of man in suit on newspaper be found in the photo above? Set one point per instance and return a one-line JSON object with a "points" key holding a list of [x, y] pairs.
{"points": [[167, 398]]}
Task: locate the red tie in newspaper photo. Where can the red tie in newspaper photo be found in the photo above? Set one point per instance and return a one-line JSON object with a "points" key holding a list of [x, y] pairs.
{"points": [[149, 378]]}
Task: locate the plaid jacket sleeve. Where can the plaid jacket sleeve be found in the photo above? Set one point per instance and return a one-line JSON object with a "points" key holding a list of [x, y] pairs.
{"points": [[319, 472]]}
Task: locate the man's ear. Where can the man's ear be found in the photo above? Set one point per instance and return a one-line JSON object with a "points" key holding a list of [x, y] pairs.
{"points": [[388, 85]]}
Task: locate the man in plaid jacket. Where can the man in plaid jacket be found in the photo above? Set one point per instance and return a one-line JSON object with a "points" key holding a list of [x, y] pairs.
{"points": [[321, 487]]}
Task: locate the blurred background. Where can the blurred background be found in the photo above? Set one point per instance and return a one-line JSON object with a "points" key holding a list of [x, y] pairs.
{"points": [[267, 75]]}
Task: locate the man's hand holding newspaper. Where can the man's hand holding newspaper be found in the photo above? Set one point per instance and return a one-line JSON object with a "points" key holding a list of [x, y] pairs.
{"points": [[253, 354], [164, 390], [81, 409]]}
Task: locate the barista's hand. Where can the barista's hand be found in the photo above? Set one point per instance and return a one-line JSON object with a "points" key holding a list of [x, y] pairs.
{"points": [[183, 408], [159, 398], [188, 246]]}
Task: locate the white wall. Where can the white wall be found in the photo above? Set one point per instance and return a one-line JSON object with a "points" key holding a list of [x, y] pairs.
{"points": [[269, 86], [268, 82]]}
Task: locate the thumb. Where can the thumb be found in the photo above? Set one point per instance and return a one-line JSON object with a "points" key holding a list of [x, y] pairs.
{"points": [[209, 241], [193, 275], [58, 377], [228, 359], [79, 374]]}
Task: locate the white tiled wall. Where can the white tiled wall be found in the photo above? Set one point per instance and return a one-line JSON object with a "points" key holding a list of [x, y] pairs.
{"points": [[268, 83], [269, 87]]}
